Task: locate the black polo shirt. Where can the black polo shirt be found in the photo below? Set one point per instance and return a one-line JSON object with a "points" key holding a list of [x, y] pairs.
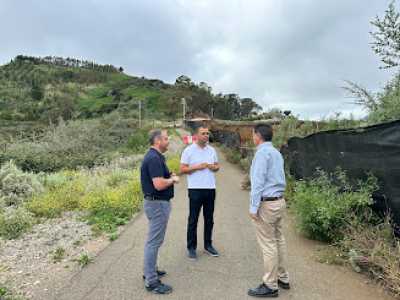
{"points": [[153, 166]]}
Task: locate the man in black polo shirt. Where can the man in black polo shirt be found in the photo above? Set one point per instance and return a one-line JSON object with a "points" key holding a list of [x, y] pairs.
{"points": [[158, 189]]}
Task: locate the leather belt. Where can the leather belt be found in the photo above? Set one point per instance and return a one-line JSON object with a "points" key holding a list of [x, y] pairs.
{"points": [[154, 198], [271, 198]]}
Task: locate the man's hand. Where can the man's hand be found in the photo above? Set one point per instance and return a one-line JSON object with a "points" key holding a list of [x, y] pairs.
{"points": [[255, 217], [175, 178], [200, 166], [213, 167]]}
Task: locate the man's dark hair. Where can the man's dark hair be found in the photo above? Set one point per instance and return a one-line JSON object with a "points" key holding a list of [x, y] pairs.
{"points": [[265, 131], [197, 127], [154, 134]]}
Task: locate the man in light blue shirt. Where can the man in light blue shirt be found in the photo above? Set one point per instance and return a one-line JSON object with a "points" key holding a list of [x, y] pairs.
{"points": [[267, 209]]}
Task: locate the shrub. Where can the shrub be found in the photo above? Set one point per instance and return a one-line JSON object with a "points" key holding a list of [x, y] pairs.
{"points": [[14, 222], [290, 187], [7, 294], [109, 195], [57, 200], [58, 254], [55, 180], [118, 177], [111, 207], [173, 164], [84, 259], [16, 186], [372, 248], [323, 207], [245, 163], [67, 146], [113, 236], [126, 162], [138, 141], [232, 155]]}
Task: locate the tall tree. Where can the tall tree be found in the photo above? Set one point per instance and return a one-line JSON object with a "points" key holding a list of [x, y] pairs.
{"points": [[247, 107], [387, 37]]}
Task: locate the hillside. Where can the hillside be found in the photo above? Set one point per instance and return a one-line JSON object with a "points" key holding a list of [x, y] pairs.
{"points": [[45, 89], [33, 89]]}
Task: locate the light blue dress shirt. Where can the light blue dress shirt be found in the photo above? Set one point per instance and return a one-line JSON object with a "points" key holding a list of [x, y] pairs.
{"points": [[267, 175]]}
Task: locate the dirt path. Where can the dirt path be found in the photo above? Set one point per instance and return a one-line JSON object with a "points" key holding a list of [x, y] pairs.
{"points": [[116, 272]]}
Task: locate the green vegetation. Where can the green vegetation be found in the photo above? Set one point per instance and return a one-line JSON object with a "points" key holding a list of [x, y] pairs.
{"points": [[293, 127], [58, 254], [325, 204], [84, 259], [109, 195], [16, 186], [174, 163], [113, 236], [113, 207], [385, 105], [14, 222], [327, 208], [45, 89], [76, 143], [6, 294], [372, 248], [232, 155], [138, 141], [54, 202]]}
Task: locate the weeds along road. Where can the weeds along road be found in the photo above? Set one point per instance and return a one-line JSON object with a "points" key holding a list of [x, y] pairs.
{"points": [[117, 272]]}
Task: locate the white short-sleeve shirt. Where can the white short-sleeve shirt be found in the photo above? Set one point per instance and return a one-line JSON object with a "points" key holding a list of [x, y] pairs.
{"points": [[193, 155]]}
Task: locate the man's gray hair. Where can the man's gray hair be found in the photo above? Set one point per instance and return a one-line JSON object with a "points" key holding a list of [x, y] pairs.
{"points": [[154, 134]]}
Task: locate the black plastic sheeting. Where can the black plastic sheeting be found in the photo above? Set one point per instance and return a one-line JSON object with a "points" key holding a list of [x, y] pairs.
{"points": [[374, 149], [227, 138]]}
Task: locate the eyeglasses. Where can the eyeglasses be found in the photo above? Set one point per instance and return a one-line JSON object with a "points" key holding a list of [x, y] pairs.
{"points": [[205, 133]]}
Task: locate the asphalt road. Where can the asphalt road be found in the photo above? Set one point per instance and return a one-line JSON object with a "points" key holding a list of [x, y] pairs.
{"points": [[117, 272]]}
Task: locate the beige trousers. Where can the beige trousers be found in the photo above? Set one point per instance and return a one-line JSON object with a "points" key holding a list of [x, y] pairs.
{"points": [[272, 242]]}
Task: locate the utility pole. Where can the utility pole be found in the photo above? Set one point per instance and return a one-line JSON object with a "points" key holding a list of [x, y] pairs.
{"points": [[140, 113], [183, 109]]}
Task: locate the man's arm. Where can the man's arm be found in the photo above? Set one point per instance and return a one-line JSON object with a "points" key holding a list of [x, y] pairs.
{"points": [[258, 178], [186, 169], [161, 183], [215, 166]]}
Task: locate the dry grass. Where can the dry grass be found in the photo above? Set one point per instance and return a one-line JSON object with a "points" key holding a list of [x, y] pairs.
{"points": [[373, 249]]}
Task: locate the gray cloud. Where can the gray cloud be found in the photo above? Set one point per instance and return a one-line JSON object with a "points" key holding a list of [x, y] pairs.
{"points": [[289, 54]]}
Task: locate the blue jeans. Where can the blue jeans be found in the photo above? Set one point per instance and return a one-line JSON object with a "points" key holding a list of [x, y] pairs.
{"points": [[157, 213]]}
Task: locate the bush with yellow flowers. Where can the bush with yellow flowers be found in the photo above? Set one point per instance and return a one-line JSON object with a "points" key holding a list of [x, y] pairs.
{"points": [[110, 196]]}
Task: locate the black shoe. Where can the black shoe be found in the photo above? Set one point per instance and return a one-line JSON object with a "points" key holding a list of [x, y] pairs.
{"points": [[159, 288], [192, 253], [284, 285], [159, 274], [263, 291], [211, 251]]}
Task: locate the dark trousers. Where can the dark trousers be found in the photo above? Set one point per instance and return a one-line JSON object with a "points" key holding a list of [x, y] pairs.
{"points": [[199, 198]]}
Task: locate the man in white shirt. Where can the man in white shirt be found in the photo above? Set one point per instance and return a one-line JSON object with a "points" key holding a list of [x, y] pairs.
{"points": [[200, 162]]}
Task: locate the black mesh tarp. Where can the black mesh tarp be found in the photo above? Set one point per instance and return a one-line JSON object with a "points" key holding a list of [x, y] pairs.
{"points": [[374, 149]]}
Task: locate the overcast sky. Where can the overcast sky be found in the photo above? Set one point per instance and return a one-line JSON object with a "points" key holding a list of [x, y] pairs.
{"points": [[290, 54]]}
